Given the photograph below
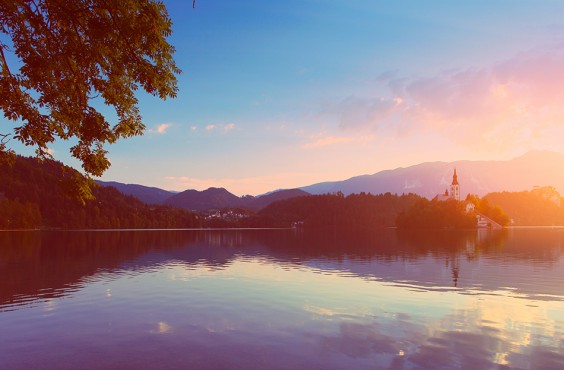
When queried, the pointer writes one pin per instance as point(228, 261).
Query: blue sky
point(280, 94)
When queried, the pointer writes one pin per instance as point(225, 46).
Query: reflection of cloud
point(500, 331)
point(516, 101)
point(320, 311)
point(220, 326)
point(357, 340)
point(163, 328)
point(50, 304)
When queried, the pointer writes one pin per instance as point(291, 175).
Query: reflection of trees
point(452, 245)
point(386, 245)
point(39, 264)
point(468, 242)
point(44, 264)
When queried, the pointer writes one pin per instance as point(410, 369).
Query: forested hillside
point(541, 206)
point(436, 214)
point(356, 211)
point(37, 193)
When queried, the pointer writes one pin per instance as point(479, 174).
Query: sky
point(282, 94)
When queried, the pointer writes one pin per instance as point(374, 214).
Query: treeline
point(436, 214)
point(362, 212)
point(36, 193)
point(355, 211)
point(17, 215)
point(367, 211)
point(494, 212)
point(542, 206)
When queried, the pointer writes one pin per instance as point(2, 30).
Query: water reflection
point(50, 264)
point(282, 299)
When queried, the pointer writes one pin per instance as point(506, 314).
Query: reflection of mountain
point(36, 265)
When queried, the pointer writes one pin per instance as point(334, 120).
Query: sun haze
point(285, 94)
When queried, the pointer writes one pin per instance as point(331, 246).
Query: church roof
point(454, 178)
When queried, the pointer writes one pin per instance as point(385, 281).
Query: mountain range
point(535, 168)
point(212, 198)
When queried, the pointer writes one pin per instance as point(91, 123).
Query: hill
point(536, 168)
point(336, 211)
point(263, 201)
point(212, 198)
point(218, 198)
point(146, 194)
point(541, 206)
point(36, 193)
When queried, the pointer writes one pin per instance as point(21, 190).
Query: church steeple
point(455, 187)
point(454, 178)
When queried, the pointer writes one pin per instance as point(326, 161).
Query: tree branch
point(5, 68)
point(4, 138)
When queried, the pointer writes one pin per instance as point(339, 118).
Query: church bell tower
point(455, 187)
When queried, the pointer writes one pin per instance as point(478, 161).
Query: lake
point(282, 299)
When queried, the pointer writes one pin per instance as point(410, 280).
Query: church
point(453, 192)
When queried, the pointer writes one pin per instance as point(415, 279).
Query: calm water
point(282, 299)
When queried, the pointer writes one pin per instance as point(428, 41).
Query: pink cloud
point(229, 127)
point(514, 102)
point(223, 127)
point(163, 127)
point(332, 140)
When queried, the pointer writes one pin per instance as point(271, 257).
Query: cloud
point(332, 140)
point(518, 101)
point(161, 129)
point(356, 111)
point(229, 127)
point(220, 127)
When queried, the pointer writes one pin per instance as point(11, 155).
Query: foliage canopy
point(31, 196)
point(436, 214)
point(73, 55)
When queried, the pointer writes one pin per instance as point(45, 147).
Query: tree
point(436, 214)
point(74, 55)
